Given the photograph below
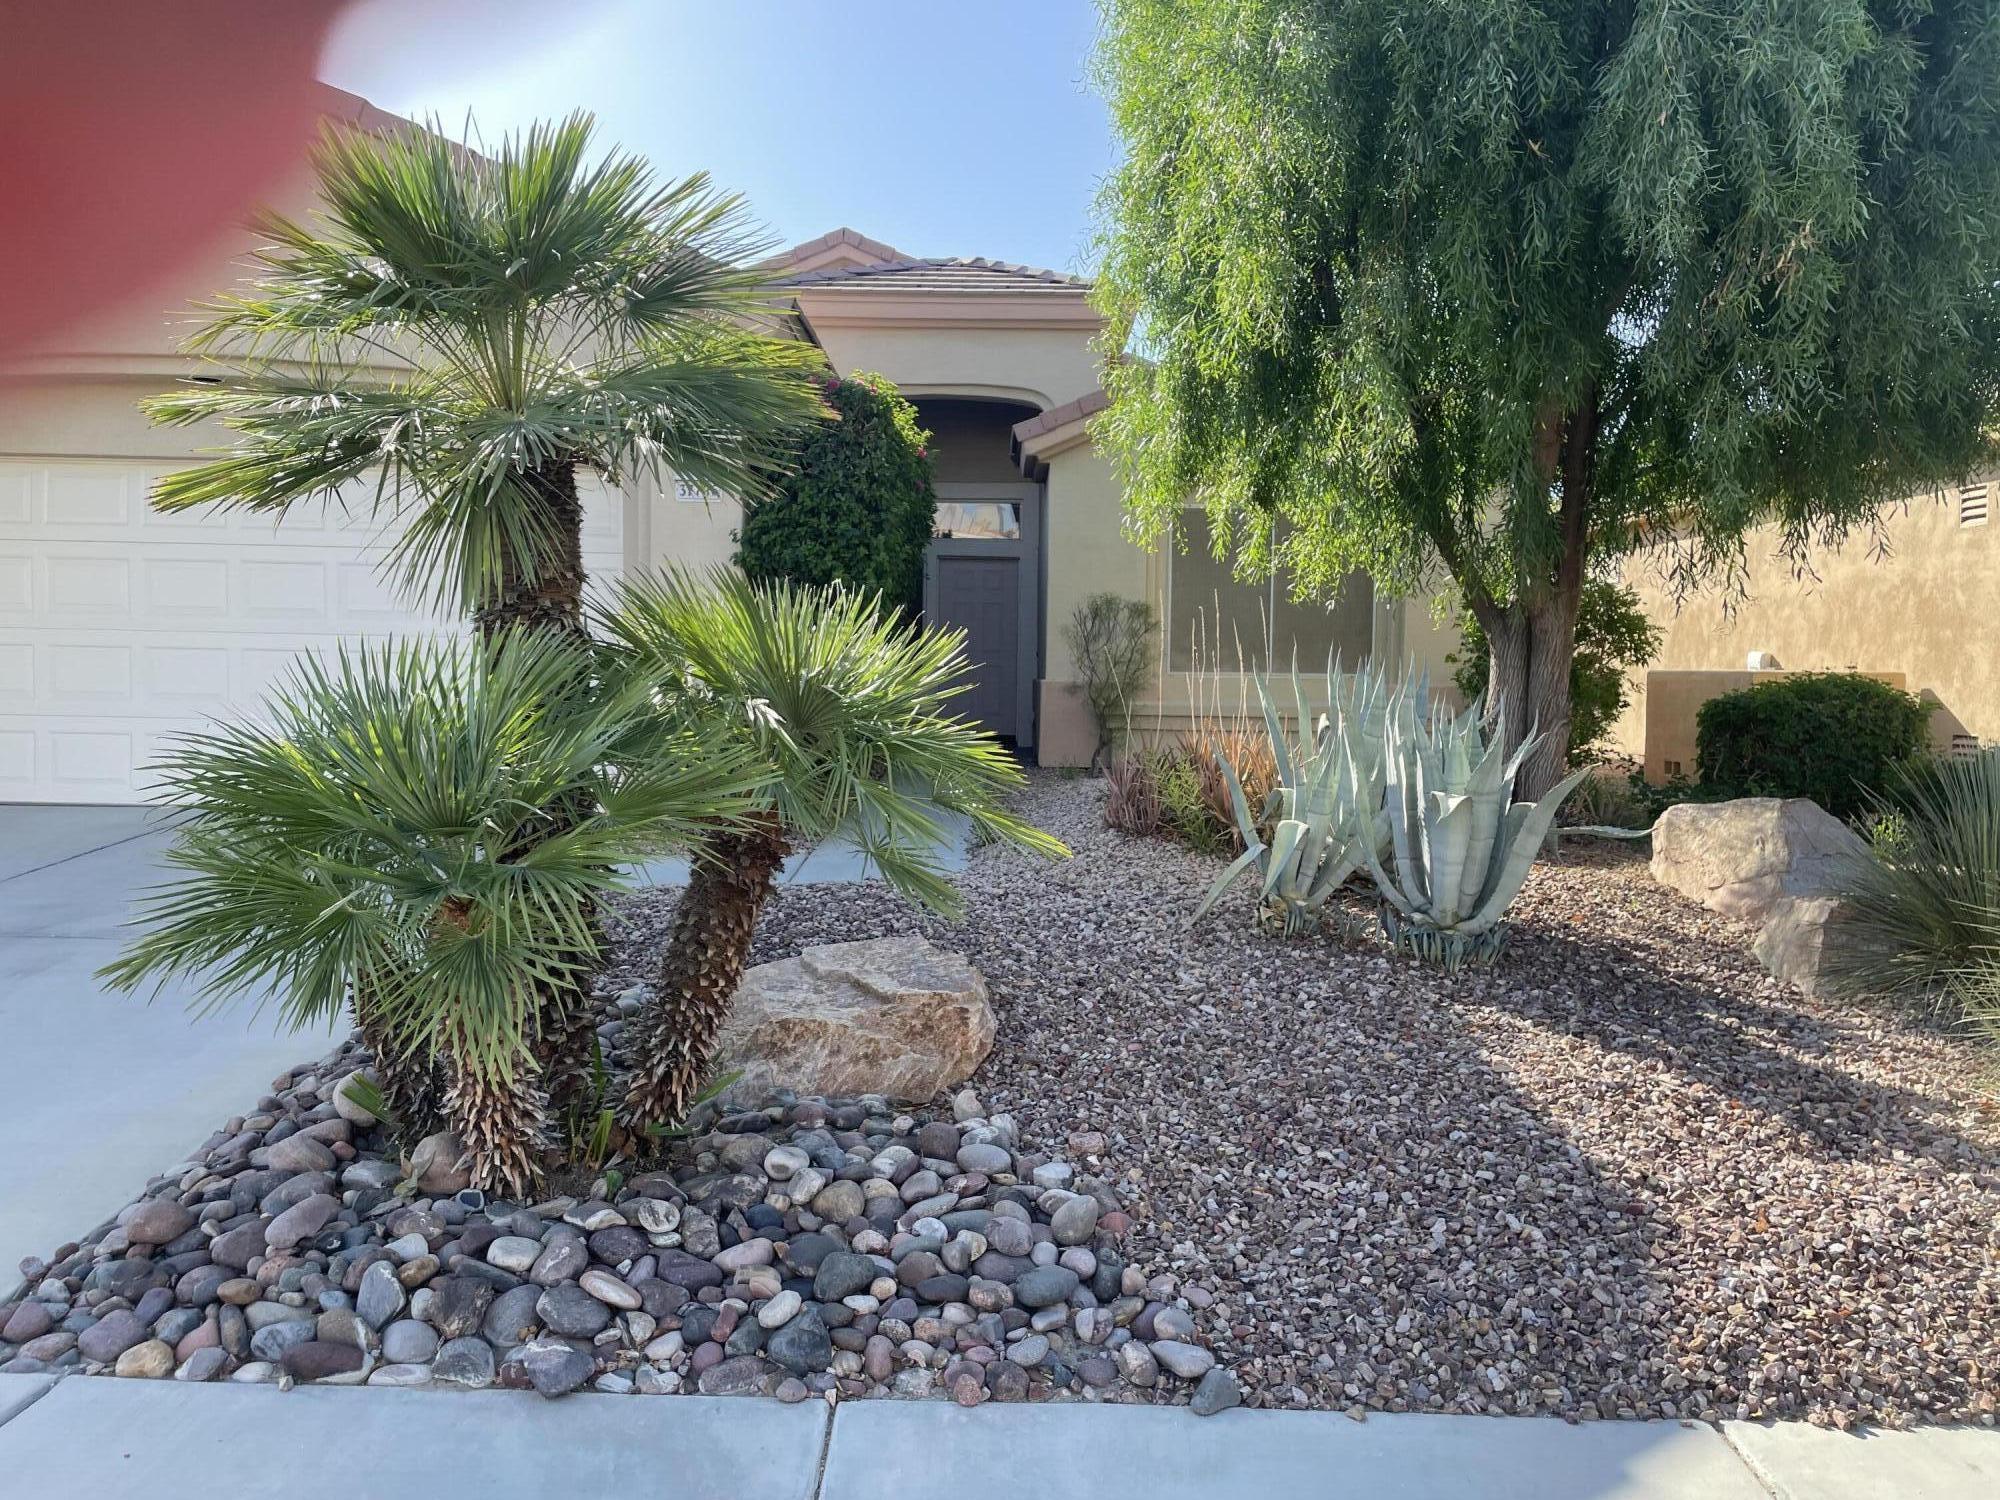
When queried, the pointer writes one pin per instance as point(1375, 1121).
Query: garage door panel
point(121, 628)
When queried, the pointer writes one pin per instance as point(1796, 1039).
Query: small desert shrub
point(1610, 797)
point(1825, 735)
point(1184, 807)
point(1924, 907)
point(1113, 641)
point(1133, 801)
point(1246, 750)
point(1182, 794)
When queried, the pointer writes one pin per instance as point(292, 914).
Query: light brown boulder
point(1748, 857)
point(1793, 944)
point(439, 1164)
point(891, 1016)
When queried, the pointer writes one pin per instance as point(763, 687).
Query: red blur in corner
point(132, 133)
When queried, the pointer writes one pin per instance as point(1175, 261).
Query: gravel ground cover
point(1624, 1173)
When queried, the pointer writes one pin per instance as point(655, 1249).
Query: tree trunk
point(501, 1122)
point(704, 959)
point(549, 597)
point(1551, 647)
point(1529, 651)
point(1506, 708)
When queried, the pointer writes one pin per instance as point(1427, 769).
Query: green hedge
point(1830, 736)
point(858, 506)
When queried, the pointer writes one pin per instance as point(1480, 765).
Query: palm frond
point(453, 321)
point(388, 830)
point(847, 708)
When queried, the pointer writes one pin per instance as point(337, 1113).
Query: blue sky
point(945, 127)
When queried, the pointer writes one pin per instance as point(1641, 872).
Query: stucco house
point(120, 627)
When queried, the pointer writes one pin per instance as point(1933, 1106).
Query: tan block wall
point(1927, 613)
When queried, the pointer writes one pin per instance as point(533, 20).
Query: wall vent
point(1972, 505)
point(1965, 744)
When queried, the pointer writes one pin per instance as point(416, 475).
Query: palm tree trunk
point(411, 1087)
point(502, 1121)
point(549, 596)
point(704, 959)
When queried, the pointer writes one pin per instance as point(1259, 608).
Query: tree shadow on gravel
point(1768, 1056)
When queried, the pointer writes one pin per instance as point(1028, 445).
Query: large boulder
point(1749, 857)
point(891, 1016)
point(1793, 944)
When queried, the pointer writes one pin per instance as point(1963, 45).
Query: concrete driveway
point(98, 1090)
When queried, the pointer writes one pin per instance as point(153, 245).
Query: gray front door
point(982, 575)
point(982, 597)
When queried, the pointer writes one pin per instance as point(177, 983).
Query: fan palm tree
point(384, 842)
point(845, 710)
point(464, 332)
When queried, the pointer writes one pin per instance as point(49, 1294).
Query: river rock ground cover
point(805, 1247)
point(1623, 1173)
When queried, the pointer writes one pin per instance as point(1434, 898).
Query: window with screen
point(1210, 613)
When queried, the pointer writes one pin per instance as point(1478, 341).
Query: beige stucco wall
point(1928, 611)
point(1042, 366)
point(92, 416)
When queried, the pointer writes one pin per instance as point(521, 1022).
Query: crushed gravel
point(1622, 1174)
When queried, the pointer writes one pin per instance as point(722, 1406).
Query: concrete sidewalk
point(89, 1437)
point(102, 1089)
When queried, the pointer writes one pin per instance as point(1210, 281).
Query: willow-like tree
point(1506, 286)
point(455, 339)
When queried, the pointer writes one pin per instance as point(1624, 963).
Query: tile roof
point(958, 273)
point(1086, 405)
point(841, 238)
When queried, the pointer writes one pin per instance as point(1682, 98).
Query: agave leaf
point(1238, 804)
point(1386, 888)
point(1489, 806)
point(1284, 852)
point(1305, 713)
point(1287, 776)
point(1223, 881)
point(1449, 818)
point(1524, 839)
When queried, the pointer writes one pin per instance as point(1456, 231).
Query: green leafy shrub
point(1825, 735)
point(1112, 639)
point(857, 507)
point(1612, 636)
point(1923, 918)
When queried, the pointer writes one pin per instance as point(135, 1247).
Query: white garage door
point(120, 626)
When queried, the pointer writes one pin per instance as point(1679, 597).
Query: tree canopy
point(1504, 285)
